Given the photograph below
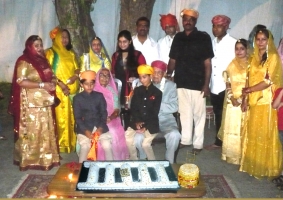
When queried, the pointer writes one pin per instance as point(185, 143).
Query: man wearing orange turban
point(224, 52)
point(145, 106)
point(190, 57)
point(170, 25)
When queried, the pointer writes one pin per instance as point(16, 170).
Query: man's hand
point(140, 127)
point(205, 90)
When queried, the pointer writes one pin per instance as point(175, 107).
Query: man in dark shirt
point(91, 116)
point(190, 57)
point(145, 105)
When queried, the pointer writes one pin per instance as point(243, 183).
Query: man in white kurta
point(224, 52)
point(169, 105)
point(143, 43)
point(170, 26)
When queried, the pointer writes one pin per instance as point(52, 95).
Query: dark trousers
point(217, 103)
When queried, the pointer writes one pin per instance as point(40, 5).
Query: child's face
point(88, 86)
point(145, 79)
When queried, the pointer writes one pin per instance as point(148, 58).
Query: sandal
point(278, 180)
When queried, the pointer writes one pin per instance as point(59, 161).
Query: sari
point(96, 62)
point(35, 135)
point(230, 130)
point(119, 147)
point(64, 64)
point(262, 152)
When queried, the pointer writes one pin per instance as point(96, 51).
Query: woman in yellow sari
point(230, 131)
point(262, 152)
point(65, 67)
point(97, 58)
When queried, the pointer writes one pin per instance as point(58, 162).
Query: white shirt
point(164, 46)
point(148, 48)
point(224, 53)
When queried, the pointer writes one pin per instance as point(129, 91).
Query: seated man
point(91, 116)
point(145, 106)
point(169, 105)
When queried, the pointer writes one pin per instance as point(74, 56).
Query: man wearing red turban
point(170, 25)
point(224, 52)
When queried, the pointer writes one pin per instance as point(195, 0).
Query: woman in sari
point(65, 67)
point(262, 152)
point(125, 62)
point(31, 104)
point(235, 78)
point(106, 85)
point(97, 59)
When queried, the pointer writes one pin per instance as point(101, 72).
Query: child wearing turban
point(91, 116)
point(145, 105)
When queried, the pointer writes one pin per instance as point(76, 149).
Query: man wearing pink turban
point(170, 26)
point(224, 52)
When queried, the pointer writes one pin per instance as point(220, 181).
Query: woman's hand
point(65, 89)
point(49, 86)
point(234, 101)
point(71, 80)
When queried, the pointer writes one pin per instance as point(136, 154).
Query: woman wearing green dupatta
point(65, 67)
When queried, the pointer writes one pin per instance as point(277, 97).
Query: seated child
point(91, 116)
point(145, 105)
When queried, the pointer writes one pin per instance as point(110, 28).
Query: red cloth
point(159, 64)
point(280, 111)
point(221, 20)
point(43, 68)
point(168, 20)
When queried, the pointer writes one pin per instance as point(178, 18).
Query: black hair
point(69, 46)
point(96, 38)
point(84, 80)
point(243, 41)
point(266, 33)
point(132, 61)
point(143, 19)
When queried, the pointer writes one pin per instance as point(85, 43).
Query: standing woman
point(65, 67)
point(31, 104)
point(125, 62)
point(262, 152)
point(230, 130)
point(106, 85)
point(97, 59)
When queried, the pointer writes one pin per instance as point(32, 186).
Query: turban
point(168, 20)
point(190, 12)
point(54, 32)
point(160, 65)
point(221, 20)
point(88, 75)
point(145, 69)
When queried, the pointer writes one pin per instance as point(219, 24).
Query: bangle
point(41, 85)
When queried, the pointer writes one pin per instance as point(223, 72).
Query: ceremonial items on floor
point(188, 176)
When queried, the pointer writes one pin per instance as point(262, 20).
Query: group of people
point(52, 115)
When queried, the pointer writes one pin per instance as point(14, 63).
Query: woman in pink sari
point(106, 85)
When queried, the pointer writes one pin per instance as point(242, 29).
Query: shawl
point(40, 63)
point(272, 67)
